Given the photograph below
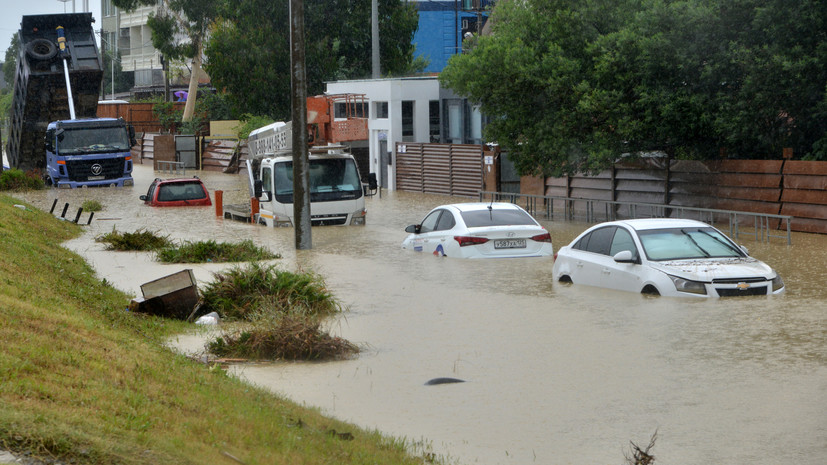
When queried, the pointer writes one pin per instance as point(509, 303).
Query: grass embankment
point(83, 381)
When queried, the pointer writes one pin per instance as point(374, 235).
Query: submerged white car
point(670, 257)
point(479, 230)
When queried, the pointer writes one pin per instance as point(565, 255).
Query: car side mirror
point(745, 250)
point(624, 256)
point(412, 229)
point(143, 197)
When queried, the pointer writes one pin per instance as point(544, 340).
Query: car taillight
point(541, 238)
point(470, 240)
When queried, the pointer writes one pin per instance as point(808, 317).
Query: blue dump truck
point(54, 129)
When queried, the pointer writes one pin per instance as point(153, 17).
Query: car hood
point(712, 268)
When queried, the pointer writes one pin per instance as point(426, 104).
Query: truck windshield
point(92, 140)
point(330, 179)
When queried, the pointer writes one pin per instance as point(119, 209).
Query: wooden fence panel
point(449, 169)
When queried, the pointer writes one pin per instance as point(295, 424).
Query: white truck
point(337, 196)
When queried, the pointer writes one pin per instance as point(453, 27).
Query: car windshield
point(330, 179)
point(93, 140)
point(496, 217)
point(687, 243)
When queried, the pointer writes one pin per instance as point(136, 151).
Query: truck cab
point(336, 193)
point(89, 152)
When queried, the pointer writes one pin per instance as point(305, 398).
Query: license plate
point(509, 244)
point(94, 178)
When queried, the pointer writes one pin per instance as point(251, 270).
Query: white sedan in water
point(671, 257)
point(479, 230)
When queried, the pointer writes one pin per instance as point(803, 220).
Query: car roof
point(179, 180)
point(472, 206)
point(641, 224)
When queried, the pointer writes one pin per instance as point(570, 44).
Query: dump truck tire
point(41, 49)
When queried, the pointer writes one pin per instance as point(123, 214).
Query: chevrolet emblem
point(743, 286)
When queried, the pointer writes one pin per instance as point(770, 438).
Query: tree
point(249, 55)
point(571, 86)
point(175, 19)
point(123, 81)
point(533, 78)
point(10, 63)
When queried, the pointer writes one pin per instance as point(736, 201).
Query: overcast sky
point(14, 10)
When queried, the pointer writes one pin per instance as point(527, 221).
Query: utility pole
point(301, 164)
point(374, 38)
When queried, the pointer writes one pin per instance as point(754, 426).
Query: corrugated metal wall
point(450, 169)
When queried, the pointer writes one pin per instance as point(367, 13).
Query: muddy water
point(554, 374)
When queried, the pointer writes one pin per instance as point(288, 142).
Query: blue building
point(443, 24)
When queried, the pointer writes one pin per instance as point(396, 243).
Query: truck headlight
point(686, 285)
point(359, 218)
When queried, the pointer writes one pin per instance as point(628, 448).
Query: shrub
point(211, 251)
point(91, 206)
point(245, 293)
point(140, 240)
point(287, 336)
point(16, 180)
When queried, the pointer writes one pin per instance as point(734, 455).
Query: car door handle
point(579, 264)
point(607, 271)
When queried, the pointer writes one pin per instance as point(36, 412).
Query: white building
point(130, 35)
point(401, 110)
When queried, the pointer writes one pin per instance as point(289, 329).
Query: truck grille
point(328, 220)
point(86, 170)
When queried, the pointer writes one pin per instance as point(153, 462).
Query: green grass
point(84, 381)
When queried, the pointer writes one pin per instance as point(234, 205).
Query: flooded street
point(555, 374)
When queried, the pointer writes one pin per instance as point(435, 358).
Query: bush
point(16, 180)
point(140, 240)
point(211, 251)
point(247, 293)
point(287, 337)
point(91, 206)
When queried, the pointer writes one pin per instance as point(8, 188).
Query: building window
point(381, 109)
point(350, 109)
point(408, 121)
point(107, 8)
point(433, 119)
point(454, 123)
point(475, 135)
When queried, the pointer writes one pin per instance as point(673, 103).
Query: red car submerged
point(181, 192)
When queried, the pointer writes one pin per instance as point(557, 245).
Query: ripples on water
point(555, 373)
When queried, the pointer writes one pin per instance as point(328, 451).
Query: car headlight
point(777, 282)
point(686, 285)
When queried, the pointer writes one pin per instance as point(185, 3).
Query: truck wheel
point(41, 49)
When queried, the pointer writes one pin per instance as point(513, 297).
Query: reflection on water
point(555, 373)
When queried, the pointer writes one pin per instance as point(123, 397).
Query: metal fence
point(594, 211)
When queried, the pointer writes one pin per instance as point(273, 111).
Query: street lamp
point(64, 5)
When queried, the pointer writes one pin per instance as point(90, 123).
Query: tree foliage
point(249, 48)
point(10, 63)
point(176, 19)
point(571, 85)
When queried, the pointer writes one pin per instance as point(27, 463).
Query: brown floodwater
point(553, 373)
